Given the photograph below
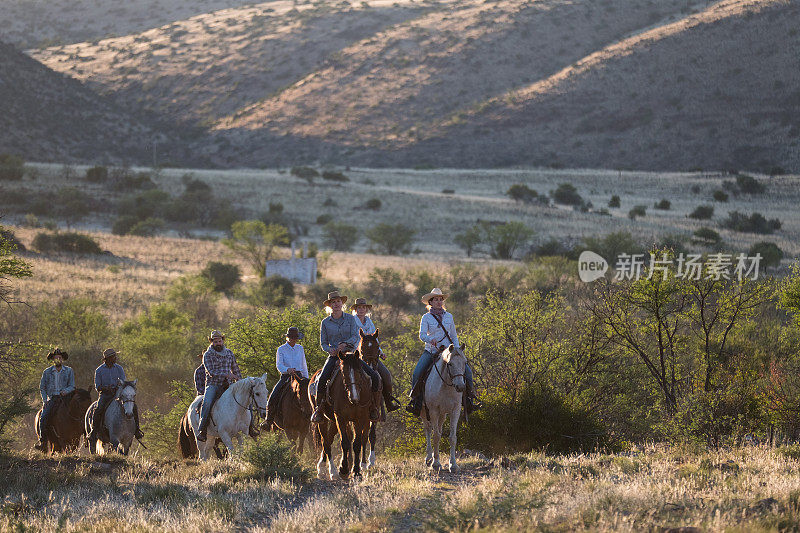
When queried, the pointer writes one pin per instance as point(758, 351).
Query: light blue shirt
point(107, 377)
point(368, 327)
point(433, 335)
point(287, 357)
point(332, 331)
point(54, 382)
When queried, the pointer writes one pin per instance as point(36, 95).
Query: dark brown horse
point(294, 411)
point(351, 396)
point(65, 426)
point(187, 444)
point(370, 348)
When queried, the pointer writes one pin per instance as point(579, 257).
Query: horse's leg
point(330, 435)
point(227, 441)
point(437, 421)
point(428, 451)
point(346, 440)
point(239, 442)
point(372, 439)
point(454, 416)
point(358, 445)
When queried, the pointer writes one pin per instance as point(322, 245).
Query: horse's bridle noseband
point(449, 373)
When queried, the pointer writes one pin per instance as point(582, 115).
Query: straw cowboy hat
point(362, 301)
point(216, 334)
point(110, 352)
point(294, 333)
point(435, 292)
point(332, 296)
point(57, 351)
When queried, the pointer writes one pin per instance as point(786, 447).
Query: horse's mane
point(81, 393)
point(123, 386)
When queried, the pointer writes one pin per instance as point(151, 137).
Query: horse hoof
point(428, 461)
point(436, 466)
point(323, 476)
point(364, 466)
point(453, 468)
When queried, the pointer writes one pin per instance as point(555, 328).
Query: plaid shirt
point(219, 365)
point(200, 379)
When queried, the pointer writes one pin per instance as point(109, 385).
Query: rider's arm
point(304, 368)
point(237, 373)
point(43, 386)
point(324, 343)
point(423, 331)
point(70, 381)
point(212, 366)
point(280, 362)
point(352, 340)
point(450, 323)
point(97, 379)
point(122, 371)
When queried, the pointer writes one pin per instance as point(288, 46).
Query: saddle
point(102, 431)
point(419, 388)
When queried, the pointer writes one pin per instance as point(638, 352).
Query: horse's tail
point(186, 443)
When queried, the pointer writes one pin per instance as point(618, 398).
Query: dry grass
point(747, 489)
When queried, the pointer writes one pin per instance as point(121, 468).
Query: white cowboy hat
point(435, 292)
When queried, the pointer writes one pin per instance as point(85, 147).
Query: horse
point(370, 347)
point(187, 445)
point(65, 428)
point(351, 395)
point(294, 411)
point(443, 395)
point(118, 420)
point(231, 414)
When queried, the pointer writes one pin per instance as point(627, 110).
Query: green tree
point(255, 242)
point(340, 236)
point(11, 267)
point(391, 239)
point(469, 240)
point(771, 254)
point(504, 240)
point(522, 193)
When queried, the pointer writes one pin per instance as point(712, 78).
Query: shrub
point(552, 247)
point(664, 205)
point(66, 242)
point(124, 180)
point(522, 193)
point(8, 236)
point(614, 202)
point(224, 276)
point(306, 173)
point(720, 195)
point(771, 254)
point(97, 174)
point(373, 203)
point(340, 236)
point(706, 237)
point(275, 208)
point(448, 191)
point(637, 211)
point(755, 223)
point(749, 185)
point(274, 291)
point(702, 212)
point(272, 455)
point(123, 224)
point(147, 227)
point(334, 176)
point(329, 202)
point(192, 185)
point(611, 246)
point(12, 168)
point(391, 239)
point(324, 218)
point(146, 204)
point(567, 194)
point(469, 239)
point(255, 242)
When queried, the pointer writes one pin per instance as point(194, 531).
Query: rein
point(449, 373)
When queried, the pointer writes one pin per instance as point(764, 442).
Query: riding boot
point(415, 406)
point(471, 402)
point(316, 418)
point(375, 408)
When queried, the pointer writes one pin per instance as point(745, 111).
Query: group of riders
point(339, 334)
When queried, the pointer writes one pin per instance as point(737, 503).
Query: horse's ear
point(119, 381)
point(264, 377)
point(450, 348)
point(463, 346)
point(377, 330)
point(134, 381)
point(361, 333)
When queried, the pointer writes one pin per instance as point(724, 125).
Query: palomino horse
point(370, 349)
point(65, 427)
point(231, 414)
point(294, 411)
point(118, 420)
point(351, 395)
point(443, 391)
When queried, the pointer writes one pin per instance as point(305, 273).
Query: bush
point(334, 176)
point(567, 194)
point(611, 246)
point(340, 236)
point(637, 211)
point(272, 455)
point(97, 174)
point(614, 202)
point(706, 237)
point(373, 203)
point(66, 242)
point(749, 185)
point(8, 236)
point(192, 185)
point(224, 276)
point(664, 205)
point(274, 291)
point(771, 254)
point(522, 193)
point(720, 196)
point(147, 227)
point(702, 212)
point(146, 204)
point(391, 239)
point(306, 173)
point(275, 208)
point(12, 168)
point(122, 179)
point(324, 218)
point(123, 224)
point(755, 223)
point(448, 191)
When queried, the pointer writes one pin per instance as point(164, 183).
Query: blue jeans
point(47, 410)
point(330, 365)
point(276, 394)
point(426, 360)
point(211, 394)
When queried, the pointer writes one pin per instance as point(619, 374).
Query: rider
point(57, 381)
point(338, 333)
point(221, 371)
point(290, 358)
point(361, 310)
point(105, 381)
point(200, 377)
point(437, 330)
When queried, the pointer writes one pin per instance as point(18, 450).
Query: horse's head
point(299, 386)
point(353, 375)
point(126, 396)
point(455, 364)
point(260, 393)
point(369, 346)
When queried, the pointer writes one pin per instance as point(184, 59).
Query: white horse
point(118, 419)
point(230, 415)
point(443, 391)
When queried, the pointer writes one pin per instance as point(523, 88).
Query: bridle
point(252, 401)
point(450, 374)
point(345, 374)
point(123, 402)
point(372, 358)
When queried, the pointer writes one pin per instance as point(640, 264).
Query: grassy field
point(647, 489)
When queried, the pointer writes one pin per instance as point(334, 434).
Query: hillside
point(613, 84)
point(50, 117)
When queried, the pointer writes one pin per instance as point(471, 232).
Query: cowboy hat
point(110, 352)
point(294, 333)
point(361, 301)
point(435, 292)
point(57, 351)
point(216, 334)
point(332, 296)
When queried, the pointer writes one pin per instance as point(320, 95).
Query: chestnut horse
point(351, 395)
point(187, 444)
point(370, 348)
point(294, 411)
point(65, 427)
